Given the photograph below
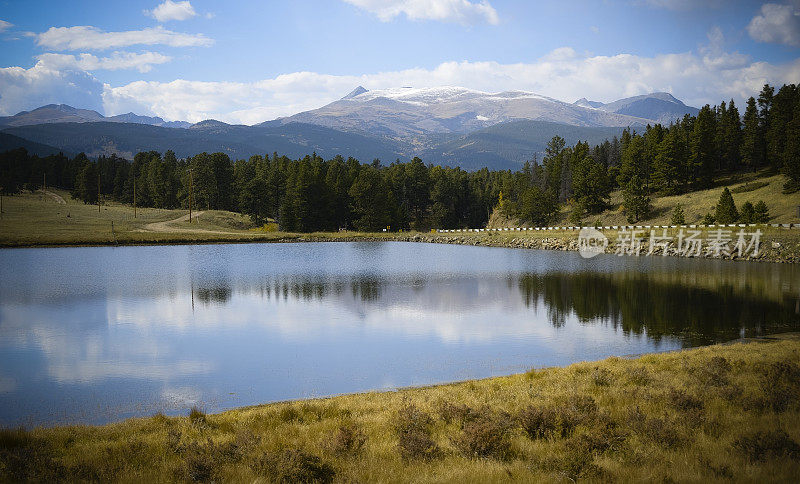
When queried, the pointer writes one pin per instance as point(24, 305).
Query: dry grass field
point(718, 413)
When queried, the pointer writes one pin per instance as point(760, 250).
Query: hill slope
point(10, 142)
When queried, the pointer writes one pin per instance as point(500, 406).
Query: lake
point(98, 334)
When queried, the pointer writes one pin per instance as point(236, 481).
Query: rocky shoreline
point(774, 247)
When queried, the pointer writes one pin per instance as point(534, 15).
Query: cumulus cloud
point(5, 25)
point(708, 77)
point(776, 23)
point(85, 37)
point(459, 11)
point(116, 61)
point(24, 89)
point(170, 10)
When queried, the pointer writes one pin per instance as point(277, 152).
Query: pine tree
point(731, 138)
point(666, 166)
point(702, 155)
point(751, 149)
point(791, 155)
point(761, 213)
point(747, 214)
point(370, 199)
point(725, 212)
point(635, 200)
point(780, 115)
point(677, 215)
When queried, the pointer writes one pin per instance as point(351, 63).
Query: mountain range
point(62, 113)
point(447, 125)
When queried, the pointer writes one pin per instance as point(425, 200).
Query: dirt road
point(165, 226)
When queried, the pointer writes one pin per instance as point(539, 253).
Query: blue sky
point(248, 61)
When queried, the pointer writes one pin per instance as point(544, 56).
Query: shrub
point(761, 445)
point(659, 430)
point(602, 377)
point(197, 417)
point(780, 384)
point(348, 439)
point(451, 412)
point(198, 465)
point(201, 461)
point(638, 375)
point(708, 219)
point(749, 187)
point(24, 458)
point(713, 372)
point(485, 436)
point(413, 428)
point(537, 422)
point(557, 420)
point(294, 465)
point(289, 414)
point(684, 402)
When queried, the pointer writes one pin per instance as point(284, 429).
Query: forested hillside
point(312, 193)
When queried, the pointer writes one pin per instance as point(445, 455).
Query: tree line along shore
point(571, 184)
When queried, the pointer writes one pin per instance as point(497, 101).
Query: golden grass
point(708, 414)
point(782, 208)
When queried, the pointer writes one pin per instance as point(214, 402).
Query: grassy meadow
point(750, 187)
point(40, 219)
point(718, 413)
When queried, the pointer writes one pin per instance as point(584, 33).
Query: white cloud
point(707, 76)
point(117, 60)
point(5, 25)
point(697, 79)
point(170, 10)
point(459, 11)
point(776, 23)
point(24, 89)
point(86, 37)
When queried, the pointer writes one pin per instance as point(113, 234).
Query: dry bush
point(455, 413)
point(197, 417)
point(557, 420)
point(347, 440)
point(638, 375)
point(289, 414)
point(761, 445)
point(485, 435)
point(25, 458)
point(413, 428)
point(780, 386)
point(602, 377)
point(713, 372)
point(293, 466)
point(684, 402)
point(658, 429)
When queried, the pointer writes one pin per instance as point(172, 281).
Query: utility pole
point(44, 182)
point(134, 196)
point(191, 188)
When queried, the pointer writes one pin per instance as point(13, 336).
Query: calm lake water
point(97, 334)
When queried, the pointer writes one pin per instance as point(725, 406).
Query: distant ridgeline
point(311, 193)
